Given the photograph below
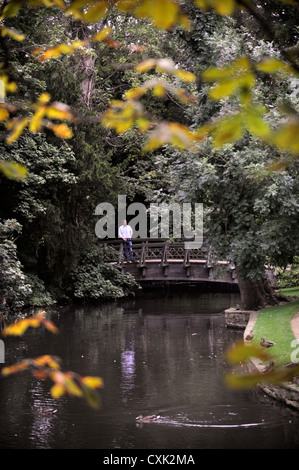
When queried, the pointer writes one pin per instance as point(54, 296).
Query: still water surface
point(157, 355)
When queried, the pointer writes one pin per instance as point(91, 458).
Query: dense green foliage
point(14, 288)
point(94, 279)
point(289, 276)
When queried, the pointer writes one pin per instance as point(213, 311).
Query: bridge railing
point(148, 249)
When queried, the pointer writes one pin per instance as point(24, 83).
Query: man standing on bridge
point(125, 232)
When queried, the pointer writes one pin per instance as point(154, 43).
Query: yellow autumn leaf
point(125, 5)
point(122, 115)
point(241, 352)
point(224, 7)
point(171, 133)
point(228, 130)
point(35, 123)
point(134, 93)
point(272, 65)
point(181, 136)
point(237, 68)
point(70, 385)
point(146, 65)
point(95, 12)
point(49, 54)
point(11, 87)
point(8, 86)
point(183, 96)
point(11, 9)
point(102, 34)
point(15, 368)
point(236, 77)
point(57, 390)
point(13, 33)
point(17, 128)
point(13, 170)
point(204, 4)
point(159, 90)
point(223, 89)
point(44, 98)
point(62, 130)
point(74, 45)
point(287, 136)
point(33, 322)
point(16, 329)
point(164, 13)
point(92, 382)
point(214, 74)
point(241, 381)
point(186, 76)
point(60, 3)
point(4, 114)
point(59, 111)
point(204, 131)
point(255, 124)
point(143, 124)
point(50, 326)
point(47, 361)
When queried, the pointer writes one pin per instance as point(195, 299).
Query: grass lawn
point(290, 291)
point(274, 324)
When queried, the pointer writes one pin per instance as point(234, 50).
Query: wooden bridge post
point(143, 252)
point(187, 261)
point(164, 262)
point(121, 253)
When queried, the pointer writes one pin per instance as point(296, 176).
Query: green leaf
point(224, 89)
point(257, 125)
point(271, 65)
point(228, 130)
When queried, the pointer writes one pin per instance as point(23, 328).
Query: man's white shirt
point(125, 231)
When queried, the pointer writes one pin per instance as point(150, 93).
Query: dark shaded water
point(157, 355)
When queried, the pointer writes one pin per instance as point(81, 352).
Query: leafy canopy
point(235, 80)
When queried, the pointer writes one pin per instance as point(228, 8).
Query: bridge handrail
point(145, 246)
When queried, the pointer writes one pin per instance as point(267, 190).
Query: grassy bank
point(290, 291)
point(274, 324)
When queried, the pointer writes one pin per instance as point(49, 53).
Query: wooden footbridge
point(160, 260)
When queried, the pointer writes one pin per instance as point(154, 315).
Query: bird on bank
point(147, 419)
point(266, 344)
point(249, 337)
point(292, 364)
point(269, 368)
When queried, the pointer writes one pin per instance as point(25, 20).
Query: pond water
point(157, 354)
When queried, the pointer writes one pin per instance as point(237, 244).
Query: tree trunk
point(257, 295)
point(87, 60)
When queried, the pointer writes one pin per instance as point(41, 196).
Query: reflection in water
point(128, 368)
point(156, 355)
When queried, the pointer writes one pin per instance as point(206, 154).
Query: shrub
point(289, 277)
point(93, 279)
point(39, 296)
point(14, 288)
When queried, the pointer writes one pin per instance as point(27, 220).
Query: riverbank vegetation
point(274, 324)
point(113, 97)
